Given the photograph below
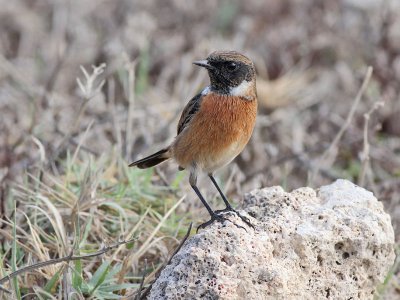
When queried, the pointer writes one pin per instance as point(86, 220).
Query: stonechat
point(215, 125)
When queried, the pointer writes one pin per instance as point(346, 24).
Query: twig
point(113, 111)
point(73, 142)
point(131, 102)
point(54, 261)
point(82, 139)
point(137, 297)
point(330, 154)
point(4, 290)
point(147, 290)
point(365, 154)
point(89, 91)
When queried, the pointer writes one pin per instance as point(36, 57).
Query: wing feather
point(189, 111)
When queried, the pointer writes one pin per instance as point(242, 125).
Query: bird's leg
point(228, 205)
point(214, 216)
point(210, 211)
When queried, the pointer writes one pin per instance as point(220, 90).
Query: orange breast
point(217, 133)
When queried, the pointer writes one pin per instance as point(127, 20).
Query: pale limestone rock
point(334, 243)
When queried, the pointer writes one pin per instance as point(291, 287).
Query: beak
point(203, 63)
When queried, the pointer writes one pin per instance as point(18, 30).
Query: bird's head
point(230, 73)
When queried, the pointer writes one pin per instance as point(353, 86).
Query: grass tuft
point(78, 212)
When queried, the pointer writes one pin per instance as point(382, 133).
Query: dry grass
point(64, 182)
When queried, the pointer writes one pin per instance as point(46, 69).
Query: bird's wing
point(189, 111)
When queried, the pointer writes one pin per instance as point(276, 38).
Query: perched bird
point(215, 125)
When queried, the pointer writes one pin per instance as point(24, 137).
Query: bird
point(214, 126)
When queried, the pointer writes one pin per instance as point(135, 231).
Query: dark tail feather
point(151, 160)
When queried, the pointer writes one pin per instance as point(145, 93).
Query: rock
point(333, 243)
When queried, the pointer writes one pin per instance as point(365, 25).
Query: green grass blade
point(99, 276)
point(86, 232)
point(51, 284)
point(77, 275)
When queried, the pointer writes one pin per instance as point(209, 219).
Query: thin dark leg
point(210, 211)
point(214, 216)
point(228, 205)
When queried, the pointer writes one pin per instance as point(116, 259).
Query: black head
point(228, 70)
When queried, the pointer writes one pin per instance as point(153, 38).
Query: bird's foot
point(231, 209)
point(217, 217)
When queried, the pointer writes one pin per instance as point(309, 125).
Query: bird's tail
point(152, 160)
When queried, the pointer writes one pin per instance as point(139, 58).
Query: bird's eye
point(232, 67)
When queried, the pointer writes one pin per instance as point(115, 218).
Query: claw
point(218, 218)
point(231, 209)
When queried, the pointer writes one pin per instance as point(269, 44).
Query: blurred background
point(70, 141)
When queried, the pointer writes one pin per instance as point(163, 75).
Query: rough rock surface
point(333, 243)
